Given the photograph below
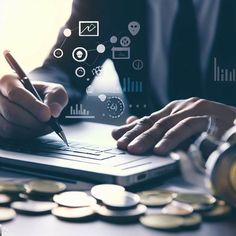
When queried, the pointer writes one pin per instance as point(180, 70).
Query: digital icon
point(67, 32)
point(115, 107)
point(134, 27)
point(97, 71)
point(88, 28)
point(58, 53)
point(102, 97)
point(132, 86)
point(80, 72)
point(137, 64)
point(101, 48)
point(78, 112)
point(80, 54)
point(113, 39)
point(125, 41)
point(120, 53)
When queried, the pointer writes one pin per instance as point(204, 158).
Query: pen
point(53, 123)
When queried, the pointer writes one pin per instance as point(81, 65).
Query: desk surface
point(49, 225)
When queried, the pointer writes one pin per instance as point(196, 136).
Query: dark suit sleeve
point(62, 70)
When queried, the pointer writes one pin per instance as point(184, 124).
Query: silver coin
point(73, 214)
point(7, 214)
point(178, 209)
point(74, 199)
point(106, 190)
point(33, 207)
point(122, 200)
point(120, 216)
point(5, 199)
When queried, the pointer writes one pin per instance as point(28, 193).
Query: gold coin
point(218, 212)
point(6, 214)
point(44, 187)
point(161, 221)
point(74, 199)
point(192, 220)
point(195, 198)
point(11, 188)
point(178, 209)
point(155, 198)
point(232, 176)
point(73, 214)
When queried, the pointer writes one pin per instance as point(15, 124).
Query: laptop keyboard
point(53, 148)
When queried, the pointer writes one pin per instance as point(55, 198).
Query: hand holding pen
point(23, 114)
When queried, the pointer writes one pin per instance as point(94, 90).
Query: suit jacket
point(114, 17)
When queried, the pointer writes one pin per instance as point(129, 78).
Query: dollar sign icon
point(134, 27)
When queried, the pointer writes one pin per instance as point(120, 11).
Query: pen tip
point(5, 52)
point(63, 137)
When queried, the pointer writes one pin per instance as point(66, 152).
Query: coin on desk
point(44, 187)
point(106, 190)
point(219, 211)
point(120, 216)
point(193, 220)
point(33, 207)
point(6, 214)
point(195, 198)
point(73, 214)
point(11, 188)
point(5, 199)
point(201, 207)
point(155, 198)
point(74, 199)
point(178, 209)
point(122, 200)
point(162, 221)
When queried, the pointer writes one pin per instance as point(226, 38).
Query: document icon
point(88, 28)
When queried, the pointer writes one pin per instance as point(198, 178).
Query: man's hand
point(21, 114)
point(164, 130)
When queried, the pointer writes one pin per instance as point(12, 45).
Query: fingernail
point(162, 147)
point(55, 109)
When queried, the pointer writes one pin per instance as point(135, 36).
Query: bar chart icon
point(78, 112)
point(132, 86)
point(223, 75)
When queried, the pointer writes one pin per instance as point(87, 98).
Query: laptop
point(99, 163)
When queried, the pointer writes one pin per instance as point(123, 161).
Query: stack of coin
point(117, 205)
point(170, 222)
point(171, 210)
point(74, 206)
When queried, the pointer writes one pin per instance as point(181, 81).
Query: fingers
point(17, 115)
point(12, 89)
point(180, 132)
point(9, 130)
point(126, 133)
point(55, 96)
point(131, 119)
point(140, 126)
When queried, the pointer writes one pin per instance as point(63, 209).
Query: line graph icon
point(88, 28)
